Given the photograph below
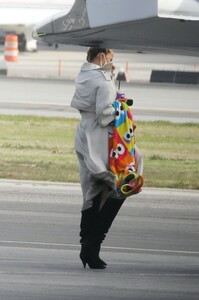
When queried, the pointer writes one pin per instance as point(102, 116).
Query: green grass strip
point(38, 148)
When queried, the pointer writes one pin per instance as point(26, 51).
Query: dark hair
point(93, 52)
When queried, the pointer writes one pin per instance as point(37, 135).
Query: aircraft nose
point(34, 33)
point(43, 28)
point(38, 32)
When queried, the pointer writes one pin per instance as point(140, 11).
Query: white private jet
point(153, 25)
point(20, 16)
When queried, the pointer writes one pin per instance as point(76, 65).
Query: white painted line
point(153, 250)
point(168, 251)
point(133, 274)
point(38, 244)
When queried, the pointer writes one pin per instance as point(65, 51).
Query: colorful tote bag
point(122, 152)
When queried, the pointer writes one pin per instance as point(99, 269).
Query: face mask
point(107, 66)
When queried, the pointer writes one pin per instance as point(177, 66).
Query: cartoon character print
point(121, 142)
point(120, 113)
point(121, 160)
point(117, 150)
point(122, 151)
point(131, 168)
point(126, 132)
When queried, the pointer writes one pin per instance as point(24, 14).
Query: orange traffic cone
point(11, 48)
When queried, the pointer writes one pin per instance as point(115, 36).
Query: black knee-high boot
point(108, 213)
point(104, 221)
point(88, 253)
point(94, 226)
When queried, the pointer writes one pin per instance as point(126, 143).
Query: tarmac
point(65, 63)
point(152, 249)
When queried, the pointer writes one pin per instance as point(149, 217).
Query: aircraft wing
point(152, 25)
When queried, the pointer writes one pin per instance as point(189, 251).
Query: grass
point(37, 148)
point(170, 152)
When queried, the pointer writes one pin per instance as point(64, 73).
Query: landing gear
point(22, 42)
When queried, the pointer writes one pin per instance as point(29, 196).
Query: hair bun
point(94, 51)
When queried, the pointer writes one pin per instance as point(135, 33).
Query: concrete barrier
point(187, 77)
point(174, 77)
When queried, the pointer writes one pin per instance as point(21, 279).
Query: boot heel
point(83, 259)
point(84, 262)
point(92, 262)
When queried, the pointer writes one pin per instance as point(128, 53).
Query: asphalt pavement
point(65, 63)
point(152, 249)
point(42, 84)
point(52, 97)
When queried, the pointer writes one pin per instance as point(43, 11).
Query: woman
point(94, 95)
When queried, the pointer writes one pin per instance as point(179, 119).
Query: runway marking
point(103, 247)
point(153, 250)
point(13, 273)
